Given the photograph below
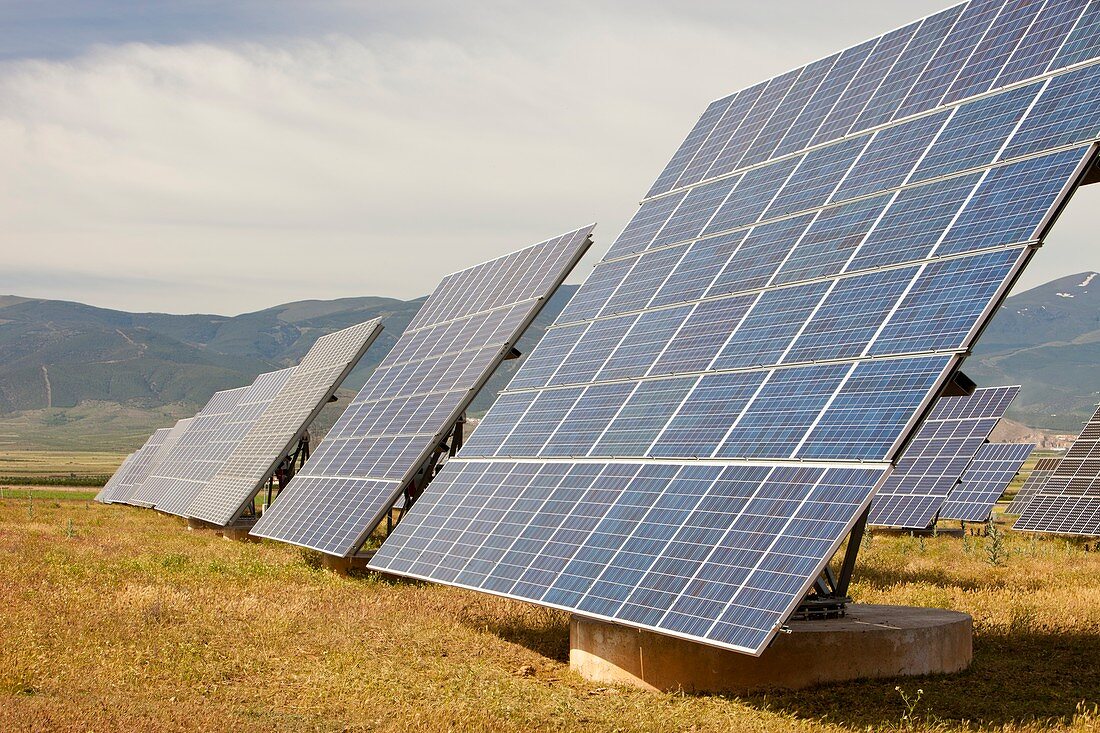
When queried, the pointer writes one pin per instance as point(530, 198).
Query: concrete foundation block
point(238, 533)
point(870, 642)
point(195, 524)
point(344, 565)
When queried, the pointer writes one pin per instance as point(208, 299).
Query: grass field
point(36, 469)
point(116, 618)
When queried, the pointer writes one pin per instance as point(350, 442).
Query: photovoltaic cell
point(463, 331)
point(275, 431)
point(931, 466)
point(984, 480)
point(1069, 501)
point(114, 481)
point(1044, 467)
point(200, 451)
point(849, 263)
point(135, 470)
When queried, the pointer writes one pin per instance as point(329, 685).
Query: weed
point(910, 703)
point(995, 548)
point(69, 531)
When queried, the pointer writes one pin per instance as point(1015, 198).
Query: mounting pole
point(829, 597)
point(855, 539)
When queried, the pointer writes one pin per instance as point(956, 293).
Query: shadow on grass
point(544, 631)
point(880, 578)
point(1013, 679)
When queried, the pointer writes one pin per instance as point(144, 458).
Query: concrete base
point(238, 532)
point(344, 565)
point(871, 641)
point(194, 524)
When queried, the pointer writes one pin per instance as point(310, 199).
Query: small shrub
point(995, 548)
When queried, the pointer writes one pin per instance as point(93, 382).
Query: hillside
point(1046, 339)
point(72, 373)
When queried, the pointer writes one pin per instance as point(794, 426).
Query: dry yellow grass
point(122, 620)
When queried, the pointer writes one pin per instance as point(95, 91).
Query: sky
point(224, 157)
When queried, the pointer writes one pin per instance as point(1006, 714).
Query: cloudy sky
point(228, 156)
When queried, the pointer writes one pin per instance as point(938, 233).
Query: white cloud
point(232, 175)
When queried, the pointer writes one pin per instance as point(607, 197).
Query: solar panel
point(1069, 501)
point(276, 430)
point(136, 469)
point(453, 345)
point(192, 460)
point(939, 453)
point(985, 479)
point(114, 480)
point(685, 454)
point(1044, 467)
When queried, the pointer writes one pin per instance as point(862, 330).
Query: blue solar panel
point(932, 464)
point(274, 433)
point(1042, 470)
point(834, 241)
point(1069, 501)
point(134, 470)
point(418, 392)
point(984, 480)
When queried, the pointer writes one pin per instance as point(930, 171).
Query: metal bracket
point(829, 597)
point(429, 470)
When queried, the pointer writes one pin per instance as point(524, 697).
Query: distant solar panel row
point(939, 453)
point(116, 478)
point(143, 461)
point(1069, 501)
point(460, 335)
point(197, 455)
point(1044, 467)
point(795, 290)
point(275, 431)
point(985, 479)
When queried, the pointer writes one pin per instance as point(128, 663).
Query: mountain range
point(71, 373)
point(75, 376)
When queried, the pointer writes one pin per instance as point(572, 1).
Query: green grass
point(46, 495)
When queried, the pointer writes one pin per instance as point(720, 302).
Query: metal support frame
point(278, 481)
point(445, 449)
point(829, 598)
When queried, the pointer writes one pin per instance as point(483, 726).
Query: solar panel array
point(1044, 467)
point(1069, 501)
point(191, 462)
point(114, 480)
point(985, 479)
point(713, 411)
point(134, 471)
point(934, 461)
point(275, 431)
point(443, 358)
